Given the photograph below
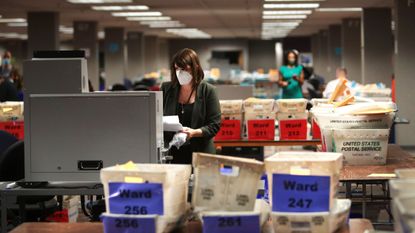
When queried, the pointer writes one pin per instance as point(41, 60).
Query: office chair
point(6, 140)
point(12, 169)
point(12, 162)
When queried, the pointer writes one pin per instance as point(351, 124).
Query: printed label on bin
point(229, 130)
point(293, 129)
point(136, 199)
point(298, 193)
point(261, 129)
point(231, 224)
point(15, 128)
point(129, 225)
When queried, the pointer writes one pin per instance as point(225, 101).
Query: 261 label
point(231, 224)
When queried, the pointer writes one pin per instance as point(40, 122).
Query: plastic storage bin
point(305, 164)
point(174, 180)
point(231, 109)
point(323, 222)
point(362, 146)
point(11, 111)
point(404, 208)
point(291, 105)
point(402, 187)
point(407, 173)
point(336, 121)
point(259, 105)
point(224, 183)
point(290, 116)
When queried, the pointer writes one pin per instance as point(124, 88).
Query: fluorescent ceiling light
point(22, 24)
point(119, 8)
point(189, 32)
point(99, 1)
point(12, 20)
point(101, 35)
point(284, 17)
point(159, 22)
point(292, 6)
point(166, 26)
point(339, 9)
point(162, 24)
point(284, 21)
point(66, 30)
point(160, 18)
point(13, 36)
point(136, 14)
point(280, 24)
point(300, 12)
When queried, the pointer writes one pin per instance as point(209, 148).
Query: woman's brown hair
point(187, 58)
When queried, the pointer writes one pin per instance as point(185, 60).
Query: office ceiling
point(219, 18)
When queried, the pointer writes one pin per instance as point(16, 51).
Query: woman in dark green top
point(291, 77)
point(195, 102)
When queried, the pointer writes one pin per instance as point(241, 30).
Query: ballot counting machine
point(71, 134)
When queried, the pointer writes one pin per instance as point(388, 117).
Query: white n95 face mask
point(184, 77)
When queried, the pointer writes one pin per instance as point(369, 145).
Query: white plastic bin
point(362, 146)
point(305, 164)
point(174, 180)
point(318, 101)
point(292, 105)
point(290, 116)
point(11, 111)
point(336, 121)
point(224, 183)
point(231, 109)
point(400, 188)
point(322, 222)
point(259, 105)
point(405, 214)
point(406, 173)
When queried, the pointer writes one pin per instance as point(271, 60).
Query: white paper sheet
point(172, 124)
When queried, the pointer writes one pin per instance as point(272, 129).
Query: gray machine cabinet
point(67, 136)
point(55, 76)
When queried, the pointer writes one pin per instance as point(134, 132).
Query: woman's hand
point(192, 133)
point(283, 83)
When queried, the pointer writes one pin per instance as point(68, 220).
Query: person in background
point(291, 76)
point(17, 80)
point(331, 86)
point(195, 102)
point(6, 65)
point(8, 91)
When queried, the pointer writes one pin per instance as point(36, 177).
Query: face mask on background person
point(291, 61)
point(184, 77)
point(6, 61)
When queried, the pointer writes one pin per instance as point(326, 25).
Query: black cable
point(84, 208)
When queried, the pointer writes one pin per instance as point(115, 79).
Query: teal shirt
point(293, 90)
